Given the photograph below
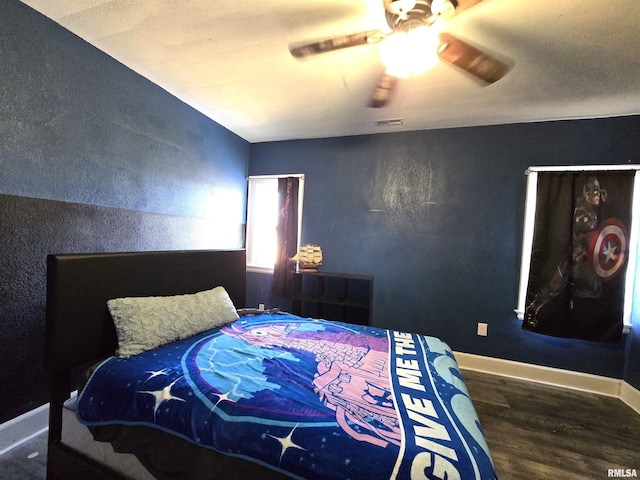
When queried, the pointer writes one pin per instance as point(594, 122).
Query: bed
point(258, 395)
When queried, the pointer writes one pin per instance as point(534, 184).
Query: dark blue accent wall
point(632, 359)
point(437, 218)
point(93, 157)
point(83, 128)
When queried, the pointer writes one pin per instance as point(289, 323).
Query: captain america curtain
point(580, 254)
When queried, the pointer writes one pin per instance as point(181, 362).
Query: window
point(262, 219)
point(527, 243)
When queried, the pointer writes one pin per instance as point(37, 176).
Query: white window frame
point(529, 221)
point(258, 226)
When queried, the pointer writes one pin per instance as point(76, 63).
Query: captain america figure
point(574, 269)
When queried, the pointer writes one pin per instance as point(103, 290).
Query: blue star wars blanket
point(311, 398)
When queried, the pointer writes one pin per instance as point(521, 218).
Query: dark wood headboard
point(79, 330)
point(78, 327)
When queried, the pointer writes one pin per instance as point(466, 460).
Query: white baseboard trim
point(552, 376)
point(630, 396)
point(18, 430)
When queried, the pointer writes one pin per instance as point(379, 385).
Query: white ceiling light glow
point(411, 53)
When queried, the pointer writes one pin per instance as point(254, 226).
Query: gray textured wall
point(94, 157)
point(33, 228)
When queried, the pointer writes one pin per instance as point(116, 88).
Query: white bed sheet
point(78, 436)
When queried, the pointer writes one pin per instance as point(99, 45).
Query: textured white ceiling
point(230, 60)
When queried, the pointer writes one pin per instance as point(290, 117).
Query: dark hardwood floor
point(546, 432)
point(533, 431)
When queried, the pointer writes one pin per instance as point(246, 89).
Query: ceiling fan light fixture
point(443, 8)
point(411, 53)
point(400, 7)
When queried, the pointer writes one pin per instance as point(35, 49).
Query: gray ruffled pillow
point(144, 323)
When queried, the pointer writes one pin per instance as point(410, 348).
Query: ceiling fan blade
point(462, 5)
point(336, 43)
point(470, 59)
point(384, 91)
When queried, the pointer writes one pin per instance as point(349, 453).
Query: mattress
point(79, 437)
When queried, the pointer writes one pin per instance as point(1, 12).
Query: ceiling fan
point(414, 44)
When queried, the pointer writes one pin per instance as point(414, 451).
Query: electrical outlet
point(482, 329)
point(261, 306)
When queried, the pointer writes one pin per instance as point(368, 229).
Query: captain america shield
point(608, 248)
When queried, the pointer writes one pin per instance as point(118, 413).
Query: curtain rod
point(580, 168)
point(283, 175)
